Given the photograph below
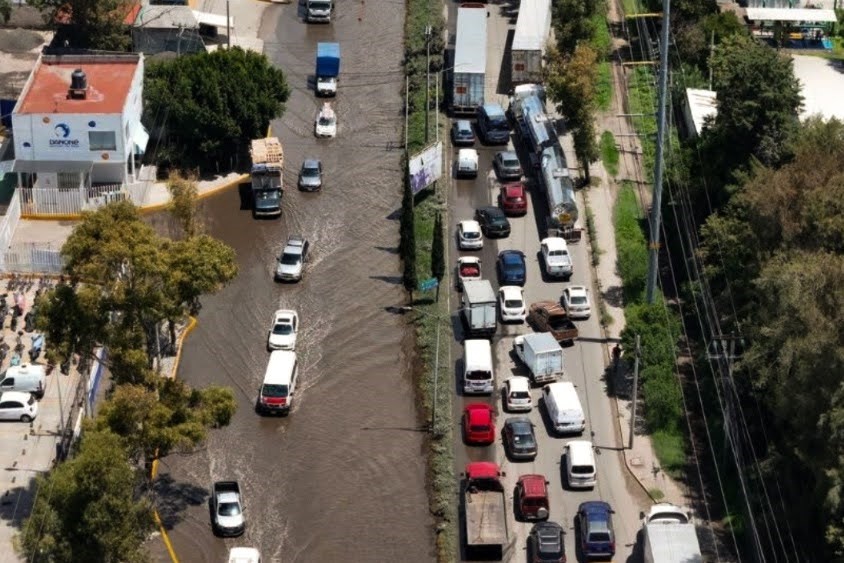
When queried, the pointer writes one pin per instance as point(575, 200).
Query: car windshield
point(513, 303)
point(289, 259)
point(319, 5)
point(510, 162)
point(310, 172)
point(471, 234)
point(477, 375)
point(229, 509)
point(479, 427)
point(599, 536)
point(558, 253)
point(266, 194)
point(282, 329)
point(513, 264)
point(577, 300)
point(326, 121)
point(519, 395)
point(558, 322)
point(274, 390)
point(582, 469)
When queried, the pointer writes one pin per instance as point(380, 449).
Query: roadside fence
point(31, 258)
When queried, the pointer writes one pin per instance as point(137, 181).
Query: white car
point(517, 394)
point(469, 236)
point(326, 122)
point(467, 163)
point(17, 405)
point(291, 263)
point(511, 304)
point(576, 302)
point(244, 555)
point(556, 258)
point(282, 334)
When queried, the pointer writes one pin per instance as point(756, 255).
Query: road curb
point(154, 468)
point(605, 333)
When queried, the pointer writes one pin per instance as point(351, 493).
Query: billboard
point(426, 167)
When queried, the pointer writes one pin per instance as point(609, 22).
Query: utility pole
point(437, 114)
point(659, 164)
point(725, 348)
point(428, 31)
point(406, 106)
point(228, 27)
point(635, 393)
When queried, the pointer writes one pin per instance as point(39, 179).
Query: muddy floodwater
point(341, 478)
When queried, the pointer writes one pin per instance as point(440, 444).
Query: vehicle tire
point(26, 418)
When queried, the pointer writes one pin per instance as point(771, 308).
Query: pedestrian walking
point(616, 355)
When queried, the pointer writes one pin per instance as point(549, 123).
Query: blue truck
point(327, 68)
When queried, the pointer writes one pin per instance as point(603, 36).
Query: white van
point(478, 377)
point(279, 386)
point(26, 378)
point(563, 407)
point(580, 465)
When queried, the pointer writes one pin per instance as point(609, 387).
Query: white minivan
point(563, 407)
point(478, 377)
point(279, 386)
point(26, 378)
point(580, 465)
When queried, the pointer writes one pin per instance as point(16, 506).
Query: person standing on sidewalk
point(616, 356)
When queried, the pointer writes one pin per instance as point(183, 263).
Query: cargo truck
point(533, 28)
point(479, 310)
point(485, 511)
point(267, 168)
point(542, 355)
point(319, 11)
point(327, 68)
point(669, 536)
point(469, 72)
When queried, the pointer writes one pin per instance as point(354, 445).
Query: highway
point(584, 362)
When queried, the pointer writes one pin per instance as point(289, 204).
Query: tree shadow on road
point(173, 498)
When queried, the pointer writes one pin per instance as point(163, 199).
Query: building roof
point(166, 17)
point(109, 80)
point(702, 104)
point(791, 15)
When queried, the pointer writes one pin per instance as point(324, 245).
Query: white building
point(699, 105)
point(77, 124)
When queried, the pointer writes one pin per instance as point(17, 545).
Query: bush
point(631, 245)
point(663, 399)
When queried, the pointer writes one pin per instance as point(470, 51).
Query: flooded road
point(343, 477)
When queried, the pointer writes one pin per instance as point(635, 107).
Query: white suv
point(576, 302)
point(469, 236)
point(17, 405)
point(517, 394)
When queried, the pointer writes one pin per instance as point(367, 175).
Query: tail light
point(612, 546)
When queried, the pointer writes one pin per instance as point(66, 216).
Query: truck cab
point(319, 11)
point(493, 126)
point(267, 169)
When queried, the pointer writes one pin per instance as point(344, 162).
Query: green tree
point(586, 146)
point(93, 24)
point(199, 265)
point(573, 22)
point(171, 417)
point(5, 10)
point(215, 104)
point(88, 508)
point(184, 194)
point(759, 117)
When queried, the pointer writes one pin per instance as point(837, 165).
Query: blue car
point(511, 268)
point(594, 522)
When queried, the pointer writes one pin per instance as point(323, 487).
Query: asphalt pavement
point(584, 362)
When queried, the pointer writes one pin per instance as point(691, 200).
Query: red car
point(478, 424)
point(513, 199)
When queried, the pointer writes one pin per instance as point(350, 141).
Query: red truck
point(485, 510)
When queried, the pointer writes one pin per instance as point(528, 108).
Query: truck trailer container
point(327, 68)
point(484, 507)
point(469, 72)
point(669, 536)
point(533, 28)
point(479, 309)
point(542, 355)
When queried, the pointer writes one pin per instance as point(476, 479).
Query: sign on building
point(426, 167)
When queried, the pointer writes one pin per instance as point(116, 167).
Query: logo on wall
point(61, 132)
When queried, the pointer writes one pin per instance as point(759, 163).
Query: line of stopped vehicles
point(482, 491)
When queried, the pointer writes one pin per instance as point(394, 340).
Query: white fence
point(9, 221)
point(32, 258)
point(58, 201)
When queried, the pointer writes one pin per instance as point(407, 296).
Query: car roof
point(493, 110)
point(518, 421)
point(511, 154)
point(514, 189)
point(470, 225)
point(547, 527)
point(295, 240)
point(284, 314)
point(467, 153)
point(595, 508)
point(579, 447)
point(310, 163)
point(479, 412)
point(511, 256)
point(555, 243)
point(14, 396)
point(534, 485)
point(463, 124)
point(519, 383)
point(511, 291)
point(491, 210)
point(576, 290)
point(280, 367)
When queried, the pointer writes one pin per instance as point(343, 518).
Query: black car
point(519, 439)
point(462, 133)
point(545, 543)
point(494, 222)
point(511, 267)
point(594, 523)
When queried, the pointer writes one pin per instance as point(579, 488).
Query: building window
point(102, 140)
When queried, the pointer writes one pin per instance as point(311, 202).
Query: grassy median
point(431, 315)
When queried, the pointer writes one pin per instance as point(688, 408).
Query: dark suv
point(462, 133)
point(545, 543)
point(494, 222)
point(594, 523)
